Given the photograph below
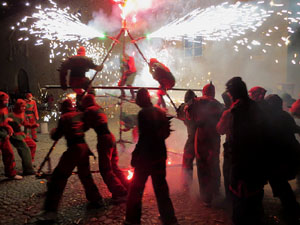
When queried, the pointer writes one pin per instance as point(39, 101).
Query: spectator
point(19, 139)
point(6, 131)
point(31, 114)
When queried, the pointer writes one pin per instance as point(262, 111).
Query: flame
point(72, 97)
point(132, 6)
point(130, 175)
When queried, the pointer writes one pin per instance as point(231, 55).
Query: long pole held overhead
point(54, 86)
point(116, 40)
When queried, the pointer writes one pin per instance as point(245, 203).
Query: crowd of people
point(260, 146)
point(13, 131)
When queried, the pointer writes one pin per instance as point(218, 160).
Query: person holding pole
point(128, 75)
point(165, 78)
point(31, 114)
point(77, 155)
point(78, 65)
point(113, 177)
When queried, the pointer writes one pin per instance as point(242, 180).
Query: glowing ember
point(130, 175)
point(72, 97)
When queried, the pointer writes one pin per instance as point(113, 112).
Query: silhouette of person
point(189, 149)
point(164, 77)
point(248, 129)
point(205, 112)
point(113, 177)
point(128, 74)
point(149, 159)
point(77, 155)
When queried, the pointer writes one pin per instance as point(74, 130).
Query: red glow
point(119, 1)
point(132, 7)
point(130, 175)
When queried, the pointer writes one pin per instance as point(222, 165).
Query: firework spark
point(215, 23)
point(60, 29)
point(59, 24)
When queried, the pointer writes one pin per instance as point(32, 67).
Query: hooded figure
point(189, 150)
point(77, 66)
point(3, 99)
point(285, 157)
point(249, 153)
point(128, 74)
point(113, 177)
point(257, 93)
point(66, 106)
point(189, 95)
point(20, 140)
point(81, 51)
point(71, 126)
point(143, 98)
point(31, 114)
point(149, 159)
point(6, 131)
point(205, 113)
point(209, 90)
point(164, 77)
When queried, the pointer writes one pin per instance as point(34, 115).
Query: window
point(193, 48)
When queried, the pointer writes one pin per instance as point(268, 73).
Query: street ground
point(21, 200)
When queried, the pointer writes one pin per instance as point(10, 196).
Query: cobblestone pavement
point(21, 200)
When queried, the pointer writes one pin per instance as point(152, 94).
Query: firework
point(215, 23)
point(60, 29)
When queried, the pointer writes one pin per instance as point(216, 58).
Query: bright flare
point(130, 175)
point(215, 23)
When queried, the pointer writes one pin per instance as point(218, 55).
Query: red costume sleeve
point(131, 65)
point(224, 123)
